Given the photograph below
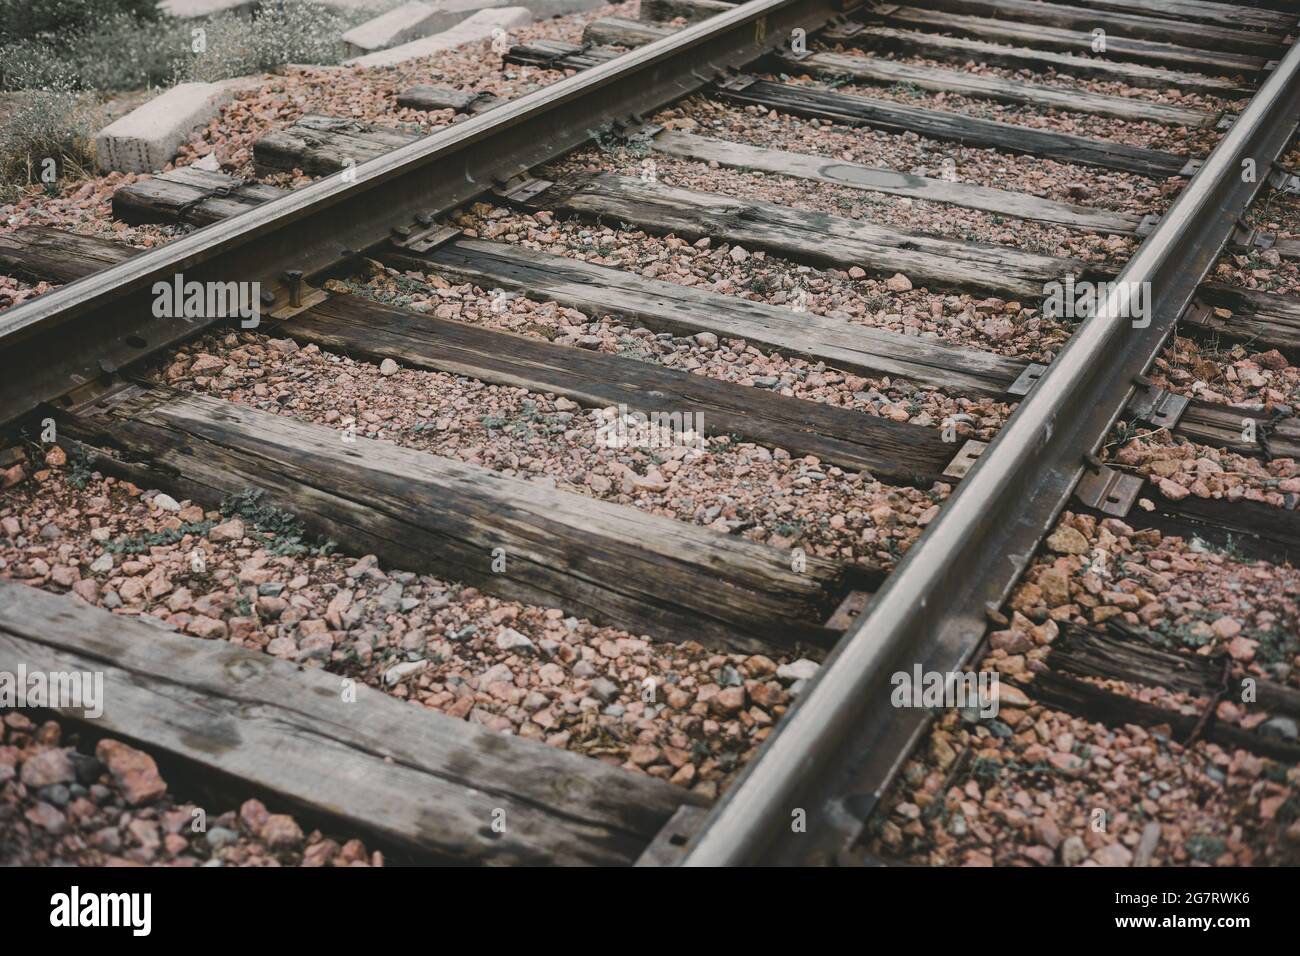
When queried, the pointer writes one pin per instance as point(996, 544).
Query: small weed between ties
point(833, 81)
point(608, 139)
point(282, 533)
point(142, 543)
point(1205, 849)
point(80, 471)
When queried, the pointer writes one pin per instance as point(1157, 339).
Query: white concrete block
point(545, 9)
point(480, 26)
point(188, 9)
point(378, 6)
point(147, 138)
point(412, 21)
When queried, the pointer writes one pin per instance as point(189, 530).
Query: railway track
point(938, 583)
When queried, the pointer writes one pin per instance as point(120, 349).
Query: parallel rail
point(836, 752)
point(840, 746)
point(78, 333)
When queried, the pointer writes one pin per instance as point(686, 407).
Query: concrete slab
point(545, 9)
point(378, 6)
point(476, 28)
point(188, 9)
point(412, 21)
point(146, 139)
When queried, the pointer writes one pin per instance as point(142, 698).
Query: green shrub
point(293, 31)
point(85, 44)
point(126, 55)
point(60, 21)
point(33, 65)
point(46, 124)
point(55, 50)
point(124, 45)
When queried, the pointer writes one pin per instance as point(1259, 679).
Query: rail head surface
point(321, 225)
point(837, 750)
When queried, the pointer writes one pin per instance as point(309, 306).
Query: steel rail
point(839, 747)
point(78, 333)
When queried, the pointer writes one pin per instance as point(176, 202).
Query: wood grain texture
point(958, 49)
point(425, 97)
point(426, 783)
point(685, 310)
point(1200, 11)
point(693, 11)
point(946, 126)
point(877, 70)
point(1086, 652)
point(620, 31)
point(1220, 426)
point(558, 55)
point(318, 145)
point(45, 253)
point(1062, 691)
point(1159, 11)
point(1041, 37)
point(871, 179)
point(604, 561)
point(1127, 25)
point(178, 195)
point(1287, 248)
point(1263, 320)
point(51, 255)
point(850, 439)
point(1256, 530)
point(305, 146)
point(854, 175)
point(805, 236)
